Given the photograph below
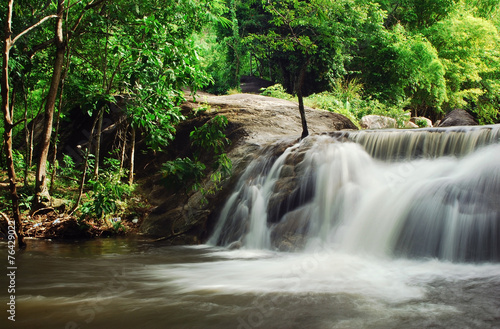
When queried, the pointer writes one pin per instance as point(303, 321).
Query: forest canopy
point(428, 57)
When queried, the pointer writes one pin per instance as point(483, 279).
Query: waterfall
point(398, 144)
point(398, 193)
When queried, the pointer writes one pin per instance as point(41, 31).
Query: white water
point(427, 143)
point(429, 206)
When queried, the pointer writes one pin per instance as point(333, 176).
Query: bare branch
point(18, 122)
point(92, 4)
point(32, 27)
point(40, 47)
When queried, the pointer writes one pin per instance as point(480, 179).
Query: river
point(133, 283)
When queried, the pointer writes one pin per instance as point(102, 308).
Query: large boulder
point(254, 122)
point(458, 117)
point(377, 122)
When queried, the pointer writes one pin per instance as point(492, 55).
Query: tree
point(469, 47)
point(416, 14)
point(401, 68)
point(41, 191)
point(309, 41)
point(8, 114)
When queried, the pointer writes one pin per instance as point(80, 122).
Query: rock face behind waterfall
point(406, 193)
point(254, 121)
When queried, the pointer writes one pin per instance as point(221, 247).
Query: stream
point(132, 283)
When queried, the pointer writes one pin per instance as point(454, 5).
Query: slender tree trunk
point(132, 157)
point(58, 119)
point(98, 143)
point(299, 86)
point(85, 166)
point(26, 139)
point(34, 120)
point(41, 192)
point(53, 161)
point(123, 133)
point(8, 125)
point(269, 66)
point(32, 142)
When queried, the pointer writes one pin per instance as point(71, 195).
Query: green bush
point(183, 172)
point(106, 191)
point(276, 91)
point(421, 123)
point(207, 140)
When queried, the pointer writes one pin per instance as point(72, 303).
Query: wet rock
point(410, 124)
point(290, 233)
point(235, 245)
point(341, 122)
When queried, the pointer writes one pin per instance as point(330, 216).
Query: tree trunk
point(98, 143)
point(123, 132)
point(132, 157)
point(58, 119)
point(41, 192)
point(299, 85)
point(26, 137)
point(8, 125)
point(85, 166)
point(53, 162)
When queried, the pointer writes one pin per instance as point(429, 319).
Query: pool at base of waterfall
point(132, 283)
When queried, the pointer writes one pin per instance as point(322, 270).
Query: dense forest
point(70, 61)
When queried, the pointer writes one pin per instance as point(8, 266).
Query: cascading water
point(412, 193)
point(394, 144)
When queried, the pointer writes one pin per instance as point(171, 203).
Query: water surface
point(129, 283)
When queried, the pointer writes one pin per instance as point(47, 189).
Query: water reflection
point(134, 283)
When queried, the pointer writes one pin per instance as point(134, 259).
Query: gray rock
point(458, 117)
point(377, 122)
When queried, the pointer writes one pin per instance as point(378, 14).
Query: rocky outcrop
point(377, 122)
point(254, 122)
point(458, 117)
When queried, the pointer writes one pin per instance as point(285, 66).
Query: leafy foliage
point(177, 173)
point(469, 49)
point(277, 91)
point(346, 98)
point(106, 192)
point(207, 140)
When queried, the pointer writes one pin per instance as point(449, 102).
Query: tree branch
point(19, 122)
point(92, 5)
point(40, 47)
point(32, 27)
